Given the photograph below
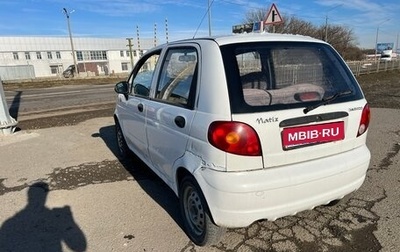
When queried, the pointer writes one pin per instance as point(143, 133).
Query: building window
point(54, 69)
point(98, 55)
point(86, 55)
point(140, 53)
point(79, 55)
point(15, 55)
point(127, 54)
point(27, 56)
point(134, 53)
point(58, 55)
point(121, 53)
point(124, 66)
point(49, 55)
point(91, 55)
point(38, 55)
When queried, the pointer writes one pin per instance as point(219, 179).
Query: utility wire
point(198, 27)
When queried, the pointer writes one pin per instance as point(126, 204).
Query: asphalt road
point(114, 206)
point(34, 103)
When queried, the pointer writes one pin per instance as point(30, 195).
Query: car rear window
point(270, 76)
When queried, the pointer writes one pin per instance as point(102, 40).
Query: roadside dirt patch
point(45, 83)
point(382, 90)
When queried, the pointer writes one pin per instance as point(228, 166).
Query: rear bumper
point(237, 199)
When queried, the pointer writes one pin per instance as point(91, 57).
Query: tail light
point(234, 137)
point(364, 122)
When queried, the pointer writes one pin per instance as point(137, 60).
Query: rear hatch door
point(300, 97)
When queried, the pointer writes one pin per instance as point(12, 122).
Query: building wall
point(50, 56)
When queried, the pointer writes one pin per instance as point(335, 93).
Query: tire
point(196, 215)
point(123, 150)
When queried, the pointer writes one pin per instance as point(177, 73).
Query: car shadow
point(145, 177)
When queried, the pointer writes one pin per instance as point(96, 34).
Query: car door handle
point(180, 121)
point(140, 107)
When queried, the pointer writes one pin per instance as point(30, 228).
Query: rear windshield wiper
point(327, 100)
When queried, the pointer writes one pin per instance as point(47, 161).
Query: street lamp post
point(376, 38)
point(67, 13)
point(326, 21)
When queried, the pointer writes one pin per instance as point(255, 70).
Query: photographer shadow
point(38, 228)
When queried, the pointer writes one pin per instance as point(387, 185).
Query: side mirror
point(122, 88)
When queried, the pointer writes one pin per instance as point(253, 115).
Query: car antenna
point(202, 19)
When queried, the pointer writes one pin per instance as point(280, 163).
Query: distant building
point(31, 57)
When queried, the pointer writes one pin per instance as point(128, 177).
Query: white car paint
point(241, 189)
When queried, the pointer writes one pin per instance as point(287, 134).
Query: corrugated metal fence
point(24, 72)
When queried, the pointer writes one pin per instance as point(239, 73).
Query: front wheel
point(196, 215)
point(123, 150)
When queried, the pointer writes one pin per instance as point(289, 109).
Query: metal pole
point(166, 30)
point(138, 41)
point(209, 19)
point(155, 35)
point(130, 50)
point(376, 43)
point(70, 38)
point(326, 21)
point(326, 28)
point(7, 123)
point(376, 38)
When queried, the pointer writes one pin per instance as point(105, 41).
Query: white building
point(31, 57)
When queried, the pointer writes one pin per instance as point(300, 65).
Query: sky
point(178, 19)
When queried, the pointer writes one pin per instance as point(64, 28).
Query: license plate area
point(295, 137)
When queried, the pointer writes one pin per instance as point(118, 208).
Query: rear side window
point(267, 76)
point(178, 77)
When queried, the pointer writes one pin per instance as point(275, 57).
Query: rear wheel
point(123, 150)
point(196, 215)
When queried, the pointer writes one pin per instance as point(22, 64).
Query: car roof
point(258, 37)
point(254, 37)
point(245, 37)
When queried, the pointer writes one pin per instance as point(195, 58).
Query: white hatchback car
point(245, 127)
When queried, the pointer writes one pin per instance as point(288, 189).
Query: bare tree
point(295, 25)
point(254, 16)
point(340, 37)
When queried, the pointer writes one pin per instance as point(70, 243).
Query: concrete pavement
point(78, 164)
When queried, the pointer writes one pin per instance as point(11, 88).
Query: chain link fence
point(27, 72)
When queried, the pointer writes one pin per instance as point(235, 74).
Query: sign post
point(7, 123)
point(273, 17)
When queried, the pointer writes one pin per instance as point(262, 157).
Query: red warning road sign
point(273, 16)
